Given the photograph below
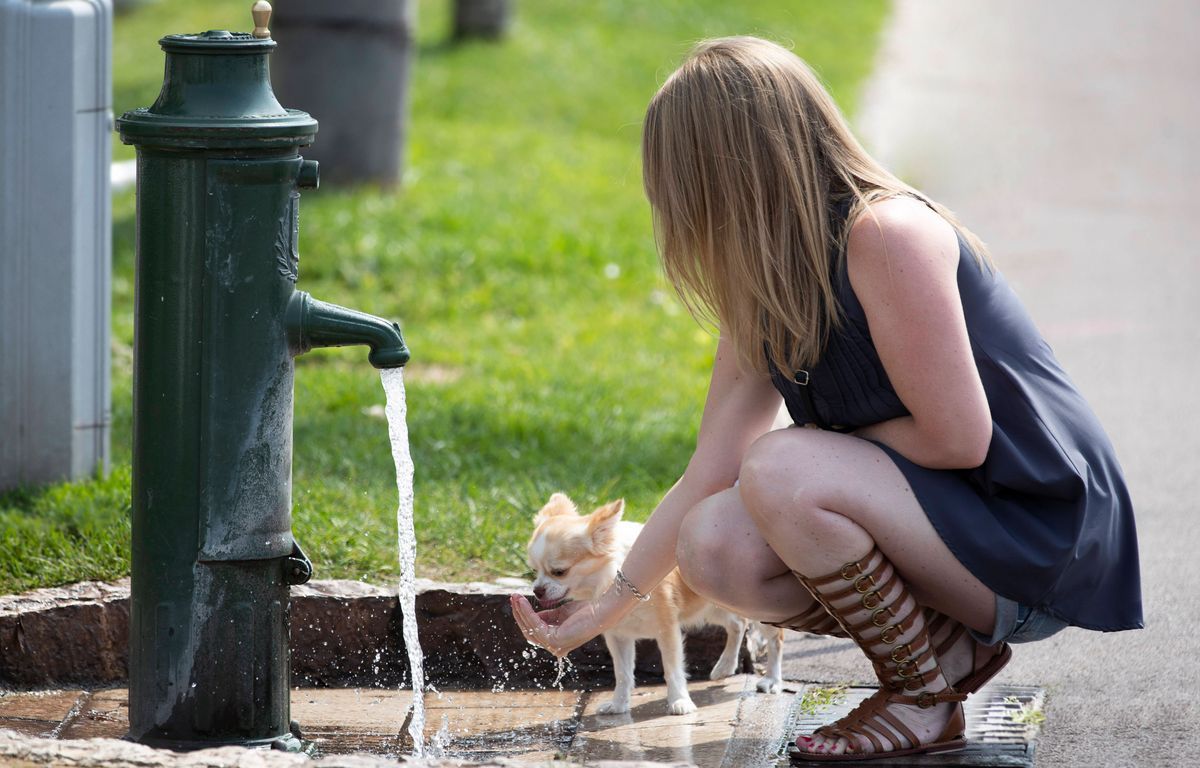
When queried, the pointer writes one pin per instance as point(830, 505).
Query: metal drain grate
point(1003, 722)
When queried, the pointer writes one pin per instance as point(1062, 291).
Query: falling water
point(397, 409)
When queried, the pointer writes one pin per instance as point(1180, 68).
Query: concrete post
point(487, 19)
point(55, 239)
point(347, 64)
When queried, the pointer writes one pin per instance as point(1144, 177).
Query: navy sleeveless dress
point(1046, 521)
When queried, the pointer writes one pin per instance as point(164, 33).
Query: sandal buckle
point(926, 700)
point(869, 603)
point(896, 629)
point(860, 587)
point(907, 648)
point(879, 612)
point(849, 575)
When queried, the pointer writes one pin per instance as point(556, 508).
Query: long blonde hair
point(744, 155)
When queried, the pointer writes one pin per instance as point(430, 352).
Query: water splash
point(564, 664)
point(397, 413)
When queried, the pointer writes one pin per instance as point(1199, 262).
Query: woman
point(958, 494)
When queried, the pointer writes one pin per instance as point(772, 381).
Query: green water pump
point(218, 320)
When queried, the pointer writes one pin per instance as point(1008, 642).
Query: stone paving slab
point(476, 725)
point(101, 714)
point(648, 732)
point(38, 713)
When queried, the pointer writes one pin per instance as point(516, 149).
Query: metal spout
point(313, 323)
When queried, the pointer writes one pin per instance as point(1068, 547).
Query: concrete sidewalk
point(1065, 134)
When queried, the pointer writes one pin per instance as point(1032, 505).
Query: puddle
point(465, 725)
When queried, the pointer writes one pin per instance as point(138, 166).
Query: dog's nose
point(539, 592)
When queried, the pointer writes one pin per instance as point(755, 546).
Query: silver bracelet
point(623, 582)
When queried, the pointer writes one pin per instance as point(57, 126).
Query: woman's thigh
point(722, 556)
point(811, 492)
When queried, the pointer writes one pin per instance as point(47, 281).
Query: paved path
point(1065, 134)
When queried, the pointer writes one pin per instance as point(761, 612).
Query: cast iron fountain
point(218, 321)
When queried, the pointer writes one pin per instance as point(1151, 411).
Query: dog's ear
point(602, 525)
point(559, 504)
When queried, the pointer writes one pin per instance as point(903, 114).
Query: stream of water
point(397, 412)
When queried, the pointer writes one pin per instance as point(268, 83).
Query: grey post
point(55, 239)
point(486, 19)
point(347, 63)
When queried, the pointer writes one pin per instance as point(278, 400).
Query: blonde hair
point(744, 155)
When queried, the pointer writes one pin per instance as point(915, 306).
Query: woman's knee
point(786, 490)
point(772, 481)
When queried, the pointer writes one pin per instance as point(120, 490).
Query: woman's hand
point(559, 630)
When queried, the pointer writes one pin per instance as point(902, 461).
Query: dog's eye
point(558, 572)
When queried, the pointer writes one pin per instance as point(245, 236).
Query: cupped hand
point(559, 630)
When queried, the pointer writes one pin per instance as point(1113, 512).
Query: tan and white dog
point(576, 557)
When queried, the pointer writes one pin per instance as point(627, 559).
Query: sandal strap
point(870, 719)
point(815, 620)
point(847, 572)
point(900, 727)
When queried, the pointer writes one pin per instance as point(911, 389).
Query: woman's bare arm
point(903, 265)
point(740, 407)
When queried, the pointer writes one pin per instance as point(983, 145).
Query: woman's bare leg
point(821, 500)
point(723, 557)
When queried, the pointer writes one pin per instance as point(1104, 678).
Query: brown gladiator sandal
point(885, 621)
point(815, 620)
point(935, 622)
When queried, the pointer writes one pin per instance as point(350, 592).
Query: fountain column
point(217, 322)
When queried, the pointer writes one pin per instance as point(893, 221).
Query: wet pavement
point(734, 725)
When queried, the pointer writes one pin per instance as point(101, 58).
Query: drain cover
point(1003, 722)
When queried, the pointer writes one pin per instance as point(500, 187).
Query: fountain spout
point(314, 323)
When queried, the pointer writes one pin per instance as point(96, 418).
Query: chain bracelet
point(623, 583)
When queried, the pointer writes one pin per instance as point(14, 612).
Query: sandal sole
point(798, 757)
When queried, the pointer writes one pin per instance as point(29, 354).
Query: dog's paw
point(768, 684)
point(681, 707)
point(613, 707)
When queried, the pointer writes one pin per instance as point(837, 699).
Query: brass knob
point(261, 13)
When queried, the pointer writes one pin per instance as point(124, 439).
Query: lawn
point(548, 354)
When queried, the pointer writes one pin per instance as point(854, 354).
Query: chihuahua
point(576, 557)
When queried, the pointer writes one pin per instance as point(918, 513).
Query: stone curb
point(22, 751)
point(342, 633)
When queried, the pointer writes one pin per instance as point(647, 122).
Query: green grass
point(547, 352)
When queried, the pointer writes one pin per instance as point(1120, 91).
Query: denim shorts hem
point(1016, 623)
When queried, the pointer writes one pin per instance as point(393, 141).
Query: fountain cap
point(216, 94)
point(261, 13)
